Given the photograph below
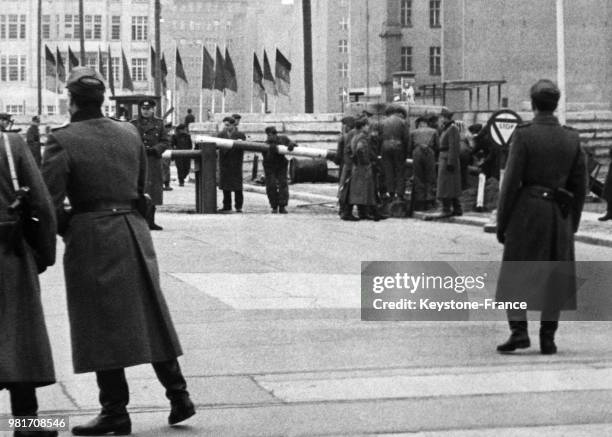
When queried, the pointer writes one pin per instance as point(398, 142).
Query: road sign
point(502, 125)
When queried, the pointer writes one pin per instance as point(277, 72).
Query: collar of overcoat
point(86, 114)
point(546, 118)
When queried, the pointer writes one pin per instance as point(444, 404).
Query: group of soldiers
point(372, 153)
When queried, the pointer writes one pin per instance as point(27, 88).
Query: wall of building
point(516, 41)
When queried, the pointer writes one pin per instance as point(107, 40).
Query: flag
point(153, 62)
point(283, 70)
point(73, 61)
point(219, 71)
point(50, 70)
point(61, 70)
point(164, 71)
point(101, 63)
point(258, 78)
point(208, 70)
point(111, 79)
point(230, 73)
point(127, 83)
point(269, 83)
point(180, 71)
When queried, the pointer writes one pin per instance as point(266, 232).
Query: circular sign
point(502, 125)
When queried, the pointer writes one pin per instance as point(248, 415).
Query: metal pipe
point(223, 143)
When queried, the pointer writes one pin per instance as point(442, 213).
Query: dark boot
point(519, 339)
point(24, 403)
point(547, 337)
point(151, 220)
point(282, 210)
point(170, 375)
point(114, 398)
point(446, 208)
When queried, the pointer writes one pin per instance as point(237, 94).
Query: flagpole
point(57, 92)
point(176, 97)
point(252, 82)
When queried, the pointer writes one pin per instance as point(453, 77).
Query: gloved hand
point(450, 168)
point(291, 146)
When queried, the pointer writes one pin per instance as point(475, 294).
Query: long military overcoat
point(547, 155)
point(25, 353)
point(362, 189)
point(118, 314)
point(155, 139)
point(230, 163)
point(449, 182)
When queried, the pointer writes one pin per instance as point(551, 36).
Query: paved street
point(267, 309)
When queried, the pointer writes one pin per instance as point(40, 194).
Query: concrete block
point(318, 127)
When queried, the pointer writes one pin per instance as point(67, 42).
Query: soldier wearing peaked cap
point(117, 311)
point(5, 121)
point(155, 139)
point(230, 167)
point(540, 205)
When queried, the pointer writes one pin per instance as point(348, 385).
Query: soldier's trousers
point(183, 165)
point(394, 169)
point(227, 199)
point(115, 394)
point(277, 187)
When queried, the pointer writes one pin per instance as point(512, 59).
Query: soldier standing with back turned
point(540, 204)
point(155, 139)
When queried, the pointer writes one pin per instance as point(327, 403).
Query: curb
point(481, 221)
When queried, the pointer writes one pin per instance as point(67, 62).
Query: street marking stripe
point(270, 291)
point(440, 385)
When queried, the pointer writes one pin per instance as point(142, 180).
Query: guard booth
point(127, 106)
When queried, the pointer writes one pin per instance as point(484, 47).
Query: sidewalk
point(591, 230)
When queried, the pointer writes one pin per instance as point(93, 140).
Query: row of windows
point(92, 27)
point(434, 13)
point(12, 68)
point(435, 60)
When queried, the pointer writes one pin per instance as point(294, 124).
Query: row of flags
point(217, 74)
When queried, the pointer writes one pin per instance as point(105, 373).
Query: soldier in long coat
point(230, 167)
point(607, 194)
point(540, 204)
point(155, 139)
point(25, 353)
point(118, 314)
point(449, 176)
point(344, 158)
point(424, 141)
point(362, 190)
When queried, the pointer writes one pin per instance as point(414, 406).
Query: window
point(13, 68)
point(93, 27)
point(406, 13)
point(50, 110)
point(435, 61)
point(343, 46)
point(139, 69)
point(116, 27)
point(15, 109)
point(91, 60)
point(139, 28)
point(46, 26)
point(343, 93)
point(72, 27)
point(344, 24)
point(343, 69)
point(12, 26)
point(406, 58)
point(434, 13)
